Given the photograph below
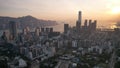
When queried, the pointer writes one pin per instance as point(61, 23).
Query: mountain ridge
point(25, 21)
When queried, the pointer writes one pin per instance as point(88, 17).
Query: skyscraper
point(42, 29)
point(37, 31)
point(47, 30)
point(92, 25)
point(85, 25)
point(80, 16)
point(13, 29)
point(78, 23)
point(24, 31)
point(66, 28)
point(51, 30)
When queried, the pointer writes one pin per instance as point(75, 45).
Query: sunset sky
point(107, 12)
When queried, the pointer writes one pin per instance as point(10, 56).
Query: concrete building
point(13, 29)
point(42, 30)
point(37, 31)
point(79, 21)
point(74, 43)
point(51, 30)
point(66, 28)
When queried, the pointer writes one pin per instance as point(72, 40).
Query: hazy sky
point(105, 11)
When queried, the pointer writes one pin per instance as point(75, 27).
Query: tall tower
point(13, 29)
point(78, 23)
point(80, 16)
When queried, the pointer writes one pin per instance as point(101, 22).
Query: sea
point(56, 28)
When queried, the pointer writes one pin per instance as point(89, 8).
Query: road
point(112, 60)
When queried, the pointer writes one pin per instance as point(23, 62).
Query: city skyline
point(59, 34)
point(105, 11)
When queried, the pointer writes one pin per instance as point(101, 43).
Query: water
point(57, 28)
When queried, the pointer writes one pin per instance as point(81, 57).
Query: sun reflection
point(113, 26)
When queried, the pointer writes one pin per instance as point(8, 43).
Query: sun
point(116, 10)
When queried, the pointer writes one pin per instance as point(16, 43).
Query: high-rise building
point(4, 37)
point(78, 23)
point(92, 25)
point(47, 30)
point(95, 25)
point(27, 29)
point(42, 29)
point(78, 26)
point(80, 16)
point(66, 28)
point(24, 31)
point(85, 27)
point(37, 31)
point(13, 29)
point(85, 23)
point(51, 30)
point(90, 21)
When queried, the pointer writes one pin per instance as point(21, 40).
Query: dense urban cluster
point(77, 47)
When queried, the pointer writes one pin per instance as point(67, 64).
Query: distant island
point(25, 21)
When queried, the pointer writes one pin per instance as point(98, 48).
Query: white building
point(74, 43)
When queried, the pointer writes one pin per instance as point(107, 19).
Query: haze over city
point(59, 34)
point(107, 12)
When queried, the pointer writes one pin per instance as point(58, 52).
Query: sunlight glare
point(116, 10)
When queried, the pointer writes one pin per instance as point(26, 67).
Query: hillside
point(24, 21)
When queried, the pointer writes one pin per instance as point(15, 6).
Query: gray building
point(13, 29)
point(66, 28)
point(78, 23)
